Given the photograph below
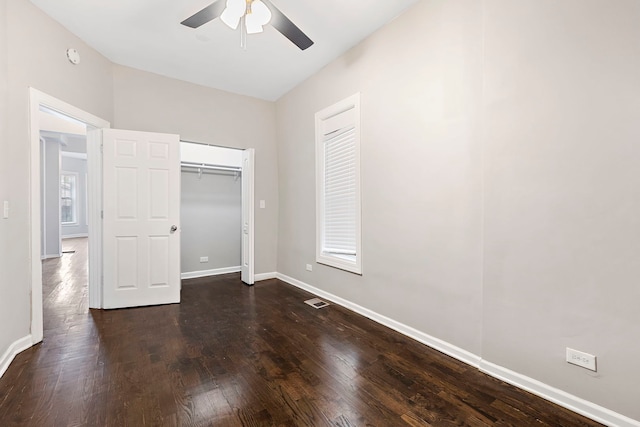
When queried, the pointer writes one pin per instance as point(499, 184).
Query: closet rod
point(207, 166)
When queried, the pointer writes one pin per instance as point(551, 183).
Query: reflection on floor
point(233, 355)
point(64, 288)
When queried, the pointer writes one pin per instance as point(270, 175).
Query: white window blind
point(338, 185)
point(340, 192)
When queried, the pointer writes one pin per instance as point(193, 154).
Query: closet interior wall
point(211, 217)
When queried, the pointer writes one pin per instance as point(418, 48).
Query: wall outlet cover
point(582, 359)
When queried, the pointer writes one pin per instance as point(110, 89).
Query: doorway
point(40, 101)
point(63, 181)
point(217, 211)
point(211, 219)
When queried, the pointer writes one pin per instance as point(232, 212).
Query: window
point(338, 241)
point(68, 201)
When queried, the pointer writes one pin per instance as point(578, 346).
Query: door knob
point(173, 228)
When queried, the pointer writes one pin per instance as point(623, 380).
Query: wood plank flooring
point(232, 355)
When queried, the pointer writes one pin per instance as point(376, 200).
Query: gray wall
point(50, 192)
point(34, 54)
point(79, 166)
point(11, 329)
point(211, 218)
point(145, 101)
point(561, 150)
point(421, 174)
point(500, 191)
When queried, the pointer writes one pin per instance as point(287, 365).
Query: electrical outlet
point(579, 358)
point(262, 204)
point(309, 267)
point(204, 259)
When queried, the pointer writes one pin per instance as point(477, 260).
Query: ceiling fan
point(252, 15)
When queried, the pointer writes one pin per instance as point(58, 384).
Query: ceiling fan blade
point(207, 14)
point(288, 29)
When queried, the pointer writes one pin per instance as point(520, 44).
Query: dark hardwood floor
point(232, 355)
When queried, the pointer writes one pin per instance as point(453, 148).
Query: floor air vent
point(316, 303)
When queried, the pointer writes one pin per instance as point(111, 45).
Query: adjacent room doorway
point(103, 259)
point(40, 101)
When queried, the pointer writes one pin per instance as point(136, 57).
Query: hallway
point(64, 288)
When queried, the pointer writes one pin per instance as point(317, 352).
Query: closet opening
point(214, 189)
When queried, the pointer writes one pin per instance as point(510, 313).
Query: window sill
point(348, 263)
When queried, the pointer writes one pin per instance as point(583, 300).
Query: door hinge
point(101, 214)
point(101, 148)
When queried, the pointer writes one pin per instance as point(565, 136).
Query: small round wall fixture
point(73, 56)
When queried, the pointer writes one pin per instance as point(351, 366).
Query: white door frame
point(248, 215)
point(37, 99)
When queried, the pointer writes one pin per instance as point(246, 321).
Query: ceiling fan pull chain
point(243, 33)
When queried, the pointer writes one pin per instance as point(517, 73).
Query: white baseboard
point(264, 276)
point(17, 347)
point(49, 256)
point(205, 273)
point(557, 396)
point(433, 342)
point(74, 236)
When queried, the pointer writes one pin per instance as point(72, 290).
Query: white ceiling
point(147, 35)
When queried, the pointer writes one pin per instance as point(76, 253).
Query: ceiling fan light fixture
point(257, 17)
point(233, 12)
point(252, 27)
point(241, 12)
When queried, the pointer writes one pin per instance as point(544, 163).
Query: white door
point(141, 230)
point(247, 272)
